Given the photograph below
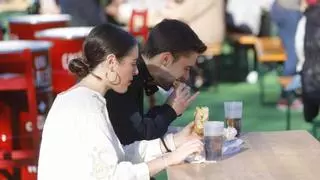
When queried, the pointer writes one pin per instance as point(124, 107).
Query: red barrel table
point(23, 118)
point(24, 27)
point(67, 44)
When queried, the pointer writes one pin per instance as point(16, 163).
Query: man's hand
point(181, 98)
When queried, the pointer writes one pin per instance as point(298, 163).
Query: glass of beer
point(213, 140)
point(233, 115)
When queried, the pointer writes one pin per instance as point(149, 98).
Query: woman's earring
point(113, 77)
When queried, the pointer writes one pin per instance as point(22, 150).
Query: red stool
point(137, 29)
point(67, 44)
point(24, 27)
point(31, 79)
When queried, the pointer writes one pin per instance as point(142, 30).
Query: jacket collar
point(149, 83)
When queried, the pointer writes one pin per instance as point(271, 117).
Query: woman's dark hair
point(103, 40)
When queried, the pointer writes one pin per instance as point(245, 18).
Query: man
point(170, 51)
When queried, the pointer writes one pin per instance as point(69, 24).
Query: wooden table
point(286, 155)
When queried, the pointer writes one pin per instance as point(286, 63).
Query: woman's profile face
point(127, 69)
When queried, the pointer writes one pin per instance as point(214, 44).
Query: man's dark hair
point(173, 36)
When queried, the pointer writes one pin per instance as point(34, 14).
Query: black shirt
point(129, 121)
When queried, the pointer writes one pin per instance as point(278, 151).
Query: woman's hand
point(185, 135)
point(183, 151)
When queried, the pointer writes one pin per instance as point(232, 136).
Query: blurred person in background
point(83, 13)
point(112, 11)
point(244, 16)
point(308, 52)
point(111, 8)
point(249, 17)
point(205, 17)
point(286, 15)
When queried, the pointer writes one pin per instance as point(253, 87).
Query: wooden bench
point(213, 50)
point(269, 50)
point(243, 39)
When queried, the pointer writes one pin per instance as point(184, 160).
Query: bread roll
point(201, 116)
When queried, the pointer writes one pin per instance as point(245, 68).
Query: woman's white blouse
point(78, 142)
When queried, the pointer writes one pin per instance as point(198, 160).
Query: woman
point(78, 140)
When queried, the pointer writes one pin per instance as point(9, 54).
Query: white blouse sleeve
point(143, 151)
point(103, 159)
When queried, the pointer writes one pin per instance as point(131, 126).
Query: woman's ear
point(111, 61)
point(111, 58)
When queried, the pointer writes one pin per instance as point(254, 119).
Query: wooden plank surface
point(286, 155)
point(270, 49)
point(243, 39)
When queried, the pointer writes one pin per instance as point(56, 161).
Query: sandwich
point(201, 116)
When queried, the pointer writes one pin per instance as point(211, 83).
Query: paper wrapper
point(231, 145)
point(200, 117)
point(230, 133)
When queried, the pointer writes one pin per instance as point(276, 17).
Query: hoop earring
point(114, 79)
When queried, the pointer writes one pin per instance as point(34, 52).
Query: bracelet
point(165, 146)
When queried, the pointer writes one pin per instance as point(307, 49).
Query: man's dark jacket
point(126, 111)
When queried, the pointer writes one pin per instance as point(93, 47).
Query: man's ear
point(166, 59)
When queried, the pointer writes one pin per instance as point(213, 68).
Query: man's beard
point(161, 77)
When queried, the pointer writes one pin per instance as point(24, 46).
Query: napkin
point(229, 148)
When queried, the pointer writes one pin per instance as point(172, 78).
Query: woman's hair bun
point(78, 67)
